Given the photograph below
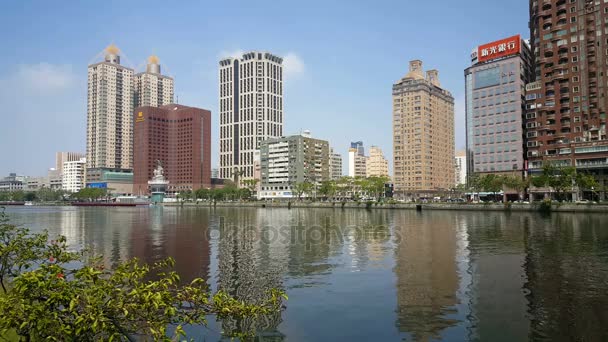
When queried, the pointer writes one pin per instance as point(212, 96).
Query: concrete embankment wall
point(575, 208)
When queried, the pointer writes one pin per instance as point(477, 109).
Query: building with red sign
point(178, 136)
point(568, 100)
point(495, 107)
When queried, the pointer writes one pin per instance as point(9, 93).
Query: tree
point(185, 195)
point(250, 184)
point(559, 179)
point(203, 193)
point(50, 195)
point(90, 194)
point(328, 189)
point(59, 300)
point(18, 196)
point(516, 183)
point(491, 183)
point(303, 189)
point(30, 196)
point(345, 187)
point(375, 186)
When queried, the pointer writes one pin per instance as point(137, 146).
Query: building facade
point(73, 176)
point(178, 136)
point(460, 168)
point(335, 165)
point(109, 113)
point(251, 110)
point(358, 145)
point(376, 165)
point(151, 88)
point(495, 107)
point(13, 182)
point(288, 161)
point(423, 134)
point(357, 160)
point(567, 102)
point(62, 157)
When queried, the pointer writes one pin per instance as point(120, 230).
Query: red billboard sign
point(498, 49)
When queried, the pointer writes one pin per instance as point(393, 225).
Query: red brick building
point(178, 136)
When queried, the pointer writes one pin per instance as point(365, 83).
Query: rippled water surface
point(380, 275)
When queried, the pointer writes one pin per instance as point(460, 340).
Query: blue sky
point(342, 58)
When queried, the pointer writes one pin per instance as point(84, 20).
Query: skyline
point(336, 87)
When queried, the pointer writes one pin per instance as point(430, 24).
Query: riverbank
point(555, 207)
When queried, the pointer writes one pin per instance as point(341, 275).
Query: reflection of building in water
point(496, 299)
point(249, 265)
point(72, 226)
point(102, 231)
point(426, 270)
point(159, 233)
point(567, 273)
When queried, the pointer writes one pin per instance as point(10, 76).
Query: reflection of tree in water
point(567, 269)
point(426, 270)
point(247, 269)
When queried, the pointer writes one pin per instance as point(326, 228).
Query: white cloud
point(43, 78)
point(292, 65)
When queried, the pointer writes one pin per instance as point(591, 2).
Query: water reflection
point(427, 276)
point(371, 275)
point(567, 270)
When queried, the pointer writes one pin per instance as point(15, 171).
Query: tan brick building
point(423, 135)
point(376, 165)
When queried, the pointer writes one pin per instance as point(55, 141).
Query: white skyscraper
point(151, 87)
point(251, 109)
point(460, 164)
point(110, 113)
point(73, 175)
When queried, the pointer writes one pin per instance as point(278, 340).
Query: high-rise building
point(566, 117)
point(358, 145)
point(495, 106)
point(251, 109)
point(460, 167)
point(356, 162)
point(423, 134)
point(151, 87)
point(335, 165)
point(109, 113)
point(180, 138)
point(73, 175)
point(376, 165)
point(288, 161)
point(62, 157)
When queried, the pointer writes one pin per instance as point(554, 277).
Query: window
point(487, 78)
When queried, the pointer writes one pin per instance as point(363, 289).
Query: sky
point(341, 59)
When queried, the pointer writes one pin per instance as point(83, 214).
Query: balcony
point(592, 163)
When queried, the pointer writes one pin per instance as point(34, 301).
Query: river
point(371, 275)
